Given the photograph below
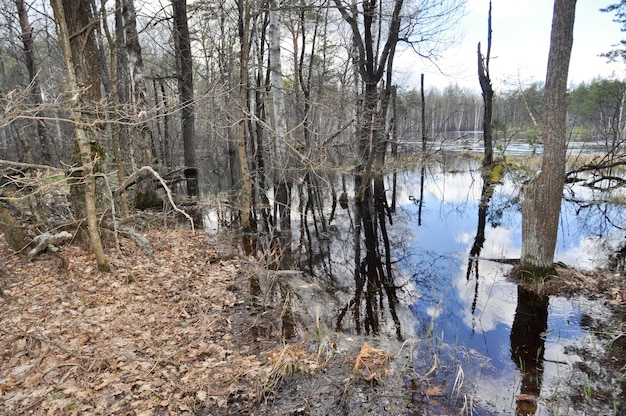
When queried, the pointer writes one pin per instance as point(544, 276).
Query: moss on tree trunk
point(14, 234)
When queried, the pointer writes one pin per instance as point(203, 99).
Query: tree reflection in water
point(479, 240)
point(373, 269)
point(527, 346)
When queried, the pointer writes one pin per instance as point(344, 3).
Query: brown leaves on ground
point(605, 285)
point(371, 363)
point(169, 336)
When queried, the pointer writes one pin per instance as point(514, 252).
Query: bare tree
point(74, 24)
point(541, 206)
point(371, 61)
point(485, 85)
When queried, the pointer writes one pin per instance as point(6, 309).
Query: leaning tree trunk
point(79, 55)
point(541, 206)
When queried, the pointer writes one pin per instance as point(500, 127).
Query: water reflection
point(527, 346)
point(525, 338)
point(413, 272)
point(373, 274)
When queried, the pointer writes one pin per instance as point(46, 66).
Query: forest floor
point(175, 332)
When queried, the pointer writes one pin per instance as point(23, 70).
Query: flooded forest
point(235, 208)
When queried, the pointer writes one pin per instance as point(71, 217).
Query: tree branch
point(131, 180)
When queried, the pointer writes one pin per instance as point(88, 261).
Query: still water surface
point(519, 349)
point(487, 344)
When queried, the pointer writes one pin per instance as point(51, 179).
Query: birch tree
point(280, 118)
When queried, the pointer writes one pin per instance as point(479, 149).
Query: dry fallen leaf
point(371, 363)
point(433, 391)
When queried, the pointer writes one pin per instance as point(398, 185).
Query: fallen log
point(48, 241)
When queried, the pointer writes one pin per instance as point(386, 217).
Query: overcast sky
point(520, 43)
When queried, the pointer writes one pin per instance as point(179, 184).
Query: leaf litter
point(165, 333)
point(148, 338)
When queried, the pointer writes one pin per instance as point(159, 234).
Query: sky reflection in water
point(478, 321)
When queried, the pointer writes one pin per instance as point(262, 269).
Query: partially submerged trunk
point(541, 206)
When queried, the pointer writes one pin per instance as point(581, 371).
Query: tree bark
point(74, 18)
point(35, 93)
point(244, 38)
point(184, 66)
point(541, 206)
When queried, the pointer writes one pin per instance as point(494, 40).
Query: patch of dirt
point(177, 332)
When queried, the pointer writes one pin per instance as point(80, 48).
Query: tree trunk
point(184, 66)
point(13, 233)
point(371, 61)
point(485, 85)
point(118, 128)
point(244, 38)
point(74, 17)
point(423, 124)
point(35, 93)
point(281, 161)
point(541, 206)
point(132, 83)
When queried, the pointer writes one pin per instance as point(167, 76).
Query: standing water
point(520, 350)
point(478, 343)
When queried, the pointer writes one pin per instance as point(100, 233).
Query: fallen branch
point(131, 180)
point(28, 165)
point(596, 166)
point(48, 241)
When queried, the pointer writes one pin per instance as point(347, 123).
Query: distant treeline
point(595, 112)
